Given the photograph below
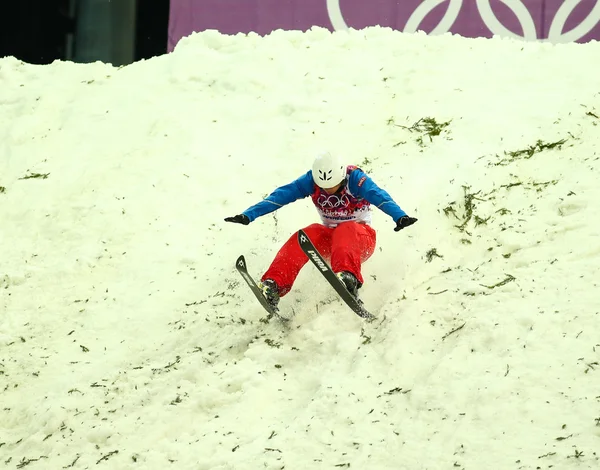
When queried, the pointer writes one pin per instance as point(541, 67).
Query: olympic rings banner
point(556, 21)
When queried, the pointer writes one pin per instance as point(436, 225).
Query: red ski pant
point(347, 246)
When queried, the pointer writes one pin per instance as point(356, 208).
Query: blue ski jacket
point(351, 203)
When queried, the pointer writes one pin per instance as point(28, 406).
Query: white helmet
point(328, 170)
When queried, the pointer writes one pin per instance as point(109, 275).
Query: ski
point(313, 254)
point(242, 268)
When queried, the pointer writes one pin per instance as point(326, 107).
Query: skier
point(342, 195)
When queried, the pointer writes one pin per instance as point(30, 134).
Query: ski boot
point(350, 281)
point(270, 290)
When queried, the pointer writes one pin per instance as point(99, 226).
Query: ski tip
point(302, 237)
point(241, 261)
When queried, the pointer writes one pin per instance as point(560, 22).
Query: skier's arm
point(363, 186)
point(297, 189)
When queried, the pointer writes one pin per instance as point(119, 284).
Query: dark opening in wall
point(36, 31)
point(152, 28)
point(42, 31)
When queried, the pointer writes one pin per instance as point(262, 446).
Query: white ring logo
point(555, 34)
point(335, 15)
point(333, 201)
point(417, 17)
point(522, 13)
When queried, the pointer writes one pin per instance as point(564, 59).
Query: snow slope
point(127, 339)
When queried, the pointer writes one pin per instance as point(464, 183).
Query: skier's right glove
point(238, 219)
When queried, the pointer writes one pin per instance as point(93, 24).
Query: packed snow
point(128, 340)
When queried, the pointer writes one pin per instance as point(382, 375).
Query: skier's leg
point(290, 259)
point(351, 245)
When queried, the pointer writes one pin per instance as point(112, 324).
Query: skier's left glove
point(403, 222)
point(238, 219)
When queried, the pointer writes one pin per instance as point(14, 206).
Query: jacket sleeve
point(297, 189)
point(363, 186)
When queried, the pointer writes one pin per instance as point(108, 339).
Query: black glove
point(403, 222)
point(239, 219)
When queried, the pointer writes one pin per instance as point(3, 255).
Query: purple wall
point(558, 21)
